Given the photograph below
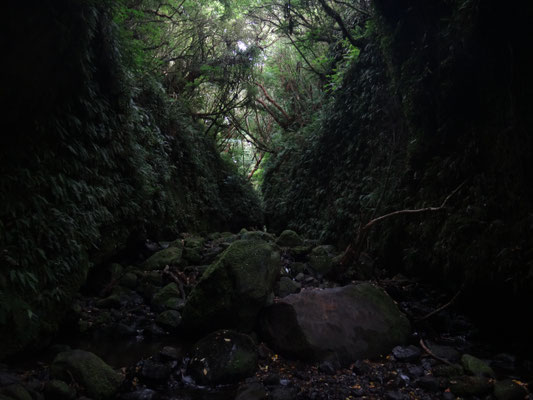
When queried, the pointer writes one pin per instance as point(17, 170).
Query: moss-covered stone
point(321, 260)
point(16, 392)
point(223, 357)
point(289, 238)
point(58, 390)
point(233, 289)
point(170, 291)
point(476, 367)
point(129, 280)
point(98, 379)
point(509, 390)
point(111, 301)
point(470, 386)
point(159, 260)
point(448, 371)
point(170, 319)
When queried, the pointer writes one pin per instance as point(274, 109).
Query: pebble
point(406, 353)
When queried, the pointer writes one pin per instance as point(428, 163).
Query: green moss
point(169, 256)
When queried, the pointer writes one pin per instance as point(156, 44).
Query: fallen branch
point(175, 278)
point(438, 310)
point(436, 357)
point(354, 248)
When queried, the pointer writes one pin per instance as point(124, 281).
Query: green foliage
point(100, 154)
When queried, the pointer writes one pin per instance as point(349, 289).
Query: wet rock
point(283, 393)
point(58, 390)
point(300, 277)
point(350, 323)
point(287, 286)
point(233, 289)
point(475, 366)
point(99, 379)
point(505, 362)
point(272, 379)
point(470, 386)
point(329, 367)
point(289, 238)
point(429, 383)
point(300, 252)
point(415, 371)
point(169, 319)
point(169, 256)
point(251, 391)
point(16, 392)
point(154, 331)
point(223, 357)
point(447, 352)
point(141, 394)
point(170, 353)
point(170, 291)
point(509, 390)
point(321, 260)
point(155, 371)
point(7, 378)
point(174, 303)
point(406, 353)
point(395, 395)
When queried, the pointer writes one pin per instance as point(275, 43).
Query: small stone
point(446, 352)
point(406, 353)
point(509, 390)
point(300, 277)
point(328, 367)
point(155, 371)
point(58, 390)
point(415, 370)
point(476, 367)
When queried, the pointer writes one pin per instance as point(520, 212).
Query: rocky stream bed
point(253, 316)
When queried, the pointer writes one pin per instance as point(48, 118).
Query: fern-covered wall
point(440, 98)
point(91, 154)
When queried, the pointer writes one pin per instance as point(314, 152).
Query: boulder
point(287, 286)
point(88, 370)
point(346, 323)
point(289, 238)
point(58, 390)
point(223, 357)
point(509, 390)
point(169, 256)
point(257, 235)
point(169, 319)
point(233, 290)
point(321, 259)
point(165, 294)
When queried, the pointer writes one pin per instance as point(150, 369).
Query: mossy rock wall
point(439, 99)
point(91, 155)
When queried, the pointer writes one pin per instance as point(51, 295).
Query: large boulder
point(321, 259)
point(233, 290)
point(99, 380)
point(289, 239)
point(223, 356)
point(346, 323)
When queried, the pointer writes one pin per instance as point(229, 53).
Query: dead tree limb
point(354, 249)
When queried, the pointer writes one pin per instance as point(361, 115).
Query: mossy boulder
point(470, 386)
point(56, 389)
point(223, 357)
point(170, 319)
point(347, 323)
point(165, 294)
point(509, 390)
point(16, 392)
point(129, 280)
point(98, 379)
point(477, 367)
point(169, 256)
point(289, 238)
point(321, 259)
point(234, 288)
